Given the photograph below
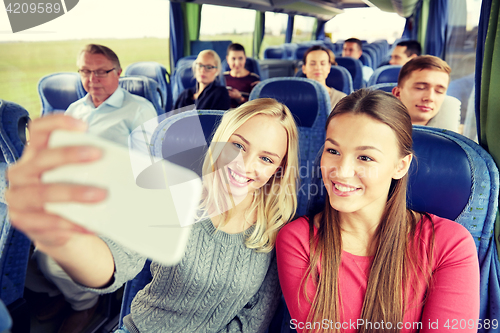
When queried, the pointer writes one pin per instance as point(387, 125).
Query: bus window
point(238, 25)
point(375, 24)
point(274, 32)
point(303, 29)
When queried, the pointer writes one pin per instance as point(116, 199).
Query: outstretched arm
point(83, 255)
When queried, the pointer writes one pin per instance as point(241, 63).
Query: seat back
point(144, 87)
point(274, 52)
point(181, 139)
point(57, 91)
point(14, 246)
point(157, 72)
point(251, 65)
point(183, 78)
point(355, 67)
point(385, 74)
point(366, 60)
point(387, 87)
point(339, 78)
point(309, 102)
point(453, 177)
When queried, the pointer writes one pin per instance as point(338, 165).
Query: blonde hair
point(214, 55)
point(276, 202)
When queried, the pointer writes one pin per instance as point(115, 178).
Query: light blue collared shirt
point(117, 117)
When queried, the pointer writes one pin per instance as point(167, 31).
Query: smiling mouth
point(343, 188)
point(424, 108)
point(240, 180)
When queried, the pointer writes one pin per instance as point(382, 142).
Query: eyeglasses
point(97, 73)
point(207, 67)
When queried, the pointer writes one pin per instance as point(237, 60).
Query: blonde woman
point(206, 95)
point(367, 263)
point(227, 280)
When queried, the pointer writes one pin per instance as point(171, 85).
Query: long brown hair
point(390, 288)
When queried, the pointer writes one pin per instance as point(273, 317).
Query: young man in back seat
point(422, 85)
point(239, 80)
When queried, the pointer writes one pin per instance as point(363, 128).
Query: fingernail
point(93, 194)
point(89, 153)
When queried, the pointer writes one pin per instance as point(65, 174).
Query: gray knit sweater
point(219, 286)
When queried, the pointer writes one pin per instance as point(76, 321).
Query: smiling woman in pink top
point(367, 263)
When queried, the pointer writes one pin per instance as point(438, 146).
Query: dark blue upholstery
point(251, 65)
point(453, 177)
point(144, 87)
point(219, 46)
point(186, 60)
point(274, 52)
point(339, 78)
point(299, 51)
point(309, 102)
point(355, 67)
point(57, 91)
point(14, 246)
point(366, 60)
point(372, 54)
point(157, 72)
point(385, 74)
point(175, 135)
point(183, 78)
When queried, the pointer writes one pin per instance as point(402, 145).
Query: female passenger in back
point(367, 263)
point(318, 61)
point(206, 95)
point(227, 280)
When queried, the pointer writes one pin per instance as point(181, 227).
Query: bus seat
point(144, 87)
point(387, 87)
point(186, 60)
point(366, 60)
point(274, 52)
point(157, 72)
point(289, 50)
point(183, 78)
point(309, 102)
point(5, 319)
point(339, 78)
point(57, 91)
point(270, 68)
point(455, 178)
point(251, 65)
point(219, 46)
point(14, 245)
point(372, 54)
point(300, 50)
point(174, 136)
point(385, 74)
point(355, 67)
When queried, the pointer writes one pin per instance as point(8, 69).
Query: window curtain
point(289, 29)
point(487, 100)
point(319, 29)
point(258, 34)
point(436, 27)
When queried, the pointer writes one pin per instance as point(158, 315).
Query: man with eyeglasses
point(112, 113)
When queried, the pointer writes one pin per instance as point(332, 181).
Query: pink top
point(453, 300)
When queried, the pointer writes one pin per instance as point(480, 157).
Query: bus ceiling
point(321, 9)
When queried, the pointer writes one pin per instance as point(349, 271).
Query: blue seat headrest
point(299, 96)
point(58, 91)
point(440, 176)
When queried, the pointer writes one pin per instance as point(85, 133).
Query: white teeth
point(238, 178)
point(344, 188)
